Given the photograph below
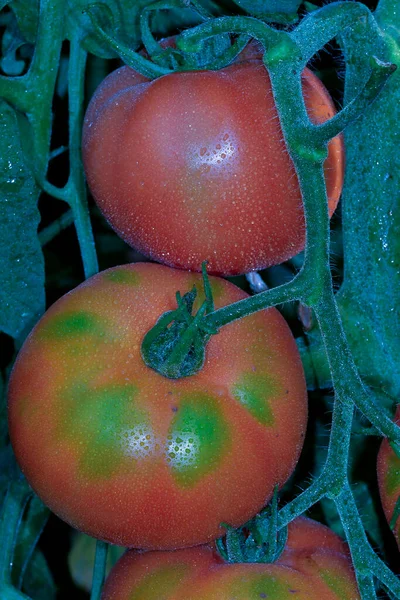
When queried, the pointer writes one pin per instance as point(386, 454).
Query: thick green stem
point(192, 39)
point(41, 78)
point(365, 561)
point(302, 502)
point(334, 474)
point(284, 293)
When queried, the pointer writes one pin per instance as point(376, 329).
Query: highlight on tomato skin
point(192, 166)
point(315, 565)
point(131, 457)
point(388, 468)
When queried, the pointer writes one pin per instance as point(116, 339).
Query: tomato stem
point(99, 570)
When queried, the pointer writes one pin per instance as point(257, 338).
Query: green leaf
point(12, 42)
point(38, 582)
point(22, 297)
point(27, 14)
point(279, 11)
point(32, 524)
point(369, 300)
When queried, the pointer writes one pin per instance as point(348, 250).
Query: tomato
point(314, 565)
point(192, 166)
point(129, 456)
point(389, 479)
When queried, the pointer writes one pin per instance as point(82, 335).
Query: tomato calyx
point(175, 346)
point(258, 540)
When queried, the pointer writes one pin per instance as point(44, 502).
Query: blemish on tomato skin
point(254, 392)
point(75, 324)
point(122, 276)
point(198, 439)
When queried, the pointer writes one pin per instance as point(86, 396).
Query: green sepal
point(258, 540)
point(175, 346)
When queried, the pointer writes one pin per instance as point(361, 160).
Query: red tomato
point(314, 566)
point(192, 166)
point(389, 479)
point(137, 459)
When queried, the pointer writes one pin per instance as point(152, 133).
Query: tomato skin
point(131, 457)
point(192, 166)
point(158, 574)
point(389, 479)
point(310, 568)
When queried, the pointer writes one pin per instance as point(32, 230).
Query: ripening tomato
point(193, 166)
point(134, 458)
point(389, 480)
point(314, 566)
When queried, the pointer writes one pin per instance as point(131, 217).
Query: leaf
point(369, 300)
point(32, 524)
point(22, 298)
point(279, 11)
point(8, 467)
point(27, 14)
point(38, 582)
point(12, 42)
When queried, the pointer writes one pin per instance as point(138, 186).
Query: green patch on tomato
point(392, 478)
point(254, 393)
point(160, 583)
point(122, 276)
point(198, 438)
point(262, 585)
point(70, 325)
point(102, 422)
point(336, 582)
